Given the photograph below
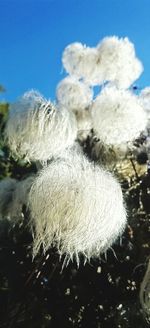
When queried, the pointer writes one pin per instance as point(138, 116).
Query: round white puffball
point(77, 207)
point(36, 130)
point(118, 61)
point(74, 95)
point(117, 116)
point(83, 62)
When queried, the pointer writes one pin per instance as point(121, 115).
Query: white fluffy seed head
point(7, 188)
point(117, 116)
point(83, 63)
point(73, 95)
point(76, 207)
point(118, 61)
point(36, 130)
point(112, 60)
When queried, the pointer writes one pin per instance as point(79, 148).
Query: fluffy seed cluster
point(112, 60)
point(36, 130)
point(117, 116)
point(76, 207)
point(73, 95)
point(83, 62)
point(119, 61)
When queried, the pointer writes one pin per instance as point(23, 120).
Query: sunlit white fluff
point(7, 188)
point(118, 61)
point(83, 62)
point(37, 130)
point(112, 60)
point(117, 116)
point(74, 95)
point(77, 207)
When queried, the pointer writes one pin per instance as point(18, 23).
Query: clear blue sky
point(33, 34)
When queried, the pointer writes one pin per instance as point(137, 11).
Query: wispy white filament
point(117, 116)
point(74, 95)
point(118, 61)
point(36, 130)
point(76, 207)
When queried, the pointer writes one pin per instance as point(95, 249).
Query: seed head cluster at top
point(76, 205)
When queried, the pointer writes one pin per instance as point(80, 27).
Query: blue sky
point(33, 34)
